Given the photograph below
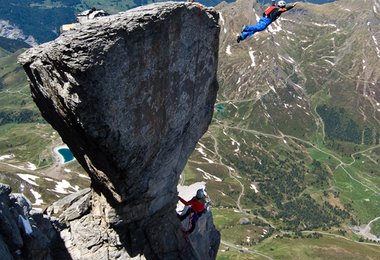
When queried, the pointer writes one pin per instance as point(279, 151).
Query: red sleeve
point(187, 203)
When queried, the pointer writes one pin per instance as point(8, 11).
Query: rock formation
point(131, 94)
point(24, 233)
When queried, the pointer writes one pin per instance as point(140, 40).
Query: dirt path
point(339, 236)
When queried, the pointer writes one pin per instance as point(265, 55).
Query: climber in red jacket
point(197, 207)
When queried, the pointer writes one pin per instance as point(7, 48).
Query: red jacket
point(197, 205)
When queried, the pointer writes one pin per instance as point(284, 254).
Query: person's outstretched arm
point(187, 203)
point(290, 6)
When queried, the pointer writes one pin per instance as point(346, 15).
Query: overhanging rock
point(131, 94)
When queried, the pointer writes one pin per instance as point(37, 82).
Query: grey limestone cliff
point(131, 94)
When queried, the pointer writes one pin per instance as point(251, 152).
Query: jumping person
point(197, 207)
point(269, 16)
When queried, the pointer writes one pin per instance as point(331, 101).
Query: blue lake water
point(66, 154)
point(219, 107)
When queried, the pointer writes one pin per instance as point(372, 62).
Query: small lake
point(219, 107)
point(66, 154)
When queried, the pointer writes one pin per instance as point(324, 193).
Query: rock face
point(24, 234)
point(131, 94)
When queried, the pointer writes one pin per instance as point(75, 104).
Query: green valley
point(291, 158)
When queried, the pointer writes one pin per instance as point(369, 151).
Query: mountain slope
point(27, 161)
point(295, 136)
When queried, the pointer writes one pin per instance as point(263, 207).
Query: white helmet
point(200, 194)
point(281, 3)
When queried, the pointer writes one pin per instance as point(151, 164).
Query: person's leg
point(252, 29)
point(182, 217)
point(194, 219)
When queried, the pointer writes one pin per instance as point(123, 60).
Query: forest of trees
point(22, 116)
point(338, 124)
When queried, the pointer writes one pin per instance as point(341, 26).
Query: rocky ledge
point(131, 94)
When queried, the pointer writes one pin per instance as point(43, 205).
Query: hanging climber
point(196, 209)
point(270, 15)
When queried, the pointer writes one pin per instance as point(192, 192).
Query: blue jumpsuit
point(250, 30)
point(264, 21)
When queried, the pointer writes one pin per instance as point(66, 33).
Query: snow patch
point(324, 25)
point(252, 58)
point(221, 18)
point(235, 106)
point(228, 50)
point(201, 145)
point(253, 187)
point(62, 186)
point(208, 160)
point(37, 196)
point(83, 176)
point(208, 176)
point(223, 194)
point(275, 27)
point(200, 150)
point(66, 170)
point(376, 43)
point(7, 156)
point(332, 63)
point(376, 6)
point(273, 89)
point(29, 178)
point(289, 59)
point(234, 141)
point(31, 166)
point(374, 39)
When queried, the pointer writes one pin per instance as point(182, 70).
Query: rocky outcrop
point(24, 233)
point(131, 94)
